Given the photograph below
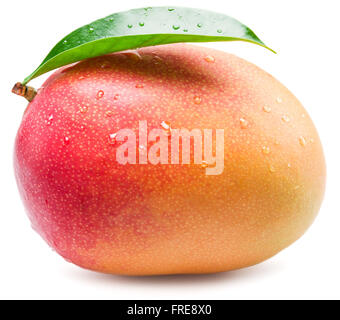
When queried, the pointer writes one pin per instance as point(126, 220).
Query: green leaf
point(142, 28)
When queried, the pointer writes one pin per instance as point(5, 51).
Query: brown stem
point(24, 91)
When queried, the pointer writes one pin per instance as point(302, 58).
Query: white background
point(306, 36)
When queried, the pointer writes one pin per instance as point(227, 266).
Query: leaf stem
point(24, 91)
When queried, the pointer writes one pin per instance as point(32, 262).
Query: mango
point(112, 204)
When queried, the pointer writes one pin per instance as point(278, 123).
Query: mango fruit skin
point(166, 219)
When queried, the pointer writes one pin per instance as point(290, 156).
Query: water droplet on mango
point(244, 123)
point(109, 113)
point(267, 109)
point(209, 59)
point(133, 54)
point(112, 138)
point(302, 141)
point(49, 120)
point(100, 94)
point(166, 126)
point(204, 164)
point(265, 150)
point(83, 109)
point(285, 118)
point(197, 100)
